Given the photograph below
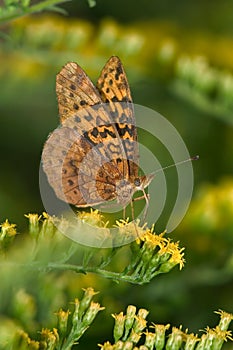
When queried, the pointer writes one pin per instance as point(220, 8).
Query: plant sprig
point(148, 254)
point(130, 329)
point(13, 9)
point(70, 326)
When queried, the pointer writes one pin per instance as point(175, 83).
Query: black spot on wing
point(95, 132)
point(88, 117)
point(77, 119)
point(83, 103)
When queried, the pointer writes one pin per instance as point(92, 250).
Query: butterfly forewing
point(81, 107)
point(114, 89)
point(74, 90)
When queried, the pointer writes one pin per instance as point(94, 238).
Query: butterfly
point(93, 157)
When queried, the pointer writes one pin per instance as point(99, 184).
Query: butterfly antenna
point(178, 163)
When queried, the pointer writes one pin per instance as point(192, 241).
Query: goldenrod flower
point(225, 319)
point(119, 325)
point(94, 218)
point(135, 335)
point(139, 324)
point(129, 318)
point(150, 339)
point(7, 234)
point(62, 317)
point(7, 229)
point(34, 219)
point(160, 331)
point(175, 339)
point(49, 337)
point(190, 341)
point(91, 313)
point(85, 301)
point(106, 346)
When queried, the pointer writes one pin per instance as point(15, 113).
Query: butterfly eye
point(137, 182)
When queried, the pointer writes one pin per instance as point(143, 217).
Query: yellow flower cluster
point(127, 335)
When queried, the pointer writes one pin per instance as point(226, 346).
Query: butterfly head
point(141, 182)
point(125, 189)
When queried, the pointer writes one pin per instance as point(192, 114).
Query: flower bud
point(34, 228)
point(119, 326)
point(160, 330)
point(62, 317)
point(91, 313)
point(175, 339)
point(86, 300)
point(129, 320)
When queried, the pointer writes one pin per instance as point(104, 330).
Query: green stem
point(116, 276)
point(46, 4)
point(105, 273)
point(74, 336)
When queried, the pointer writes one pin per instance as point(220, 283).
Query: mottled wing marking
point(75, 91)
point(78, 183)
point(113, 87)
point(81, 108)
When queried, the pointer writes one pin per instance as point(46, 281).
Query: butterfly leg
point(138, 198)
point(132, 210)
point(133, 217)
point(146, 197)
point(124, 213)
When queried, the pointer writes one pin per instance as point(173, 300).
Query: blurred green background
point(179, 61)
